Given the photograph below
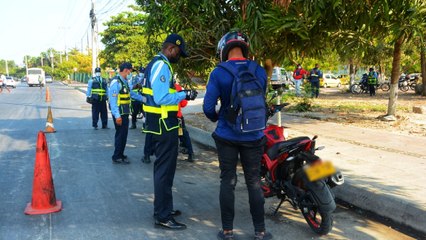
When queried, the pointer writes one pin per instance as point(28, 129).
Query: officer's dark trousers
point(120, 137)
point(250, 154)
point(148, 148)
point(185, 139)
point(372, 88)
point(315, 88)
point(99, 107)
point(136, 109)
point(166, 152)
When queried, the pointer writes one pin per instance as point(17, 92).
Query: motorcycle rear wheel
point(320, 222)
point(385, 87)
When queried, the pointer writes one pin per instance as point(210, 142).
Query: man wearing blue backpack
point(240, 84)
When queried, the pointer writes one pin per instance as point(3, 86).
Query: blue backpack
point(247, 110)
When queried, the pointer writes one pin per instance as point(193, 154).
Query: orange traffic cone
point(47, 95)
point(49, 122)
point(43, 199)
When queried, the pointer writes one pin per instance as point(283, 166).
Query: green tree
point(125, 39)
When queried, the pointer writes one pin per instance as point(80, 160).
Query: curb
point(399, 211)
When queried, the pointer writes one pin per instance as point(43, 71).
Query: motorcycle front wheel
point(356, 88)
point(319, 221)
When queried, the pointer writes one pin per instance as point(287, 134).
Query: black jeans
point(185, 139)
point(136, 109)
point(250, 154)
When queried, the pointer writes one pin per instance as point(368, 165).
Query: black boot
point(190, 157)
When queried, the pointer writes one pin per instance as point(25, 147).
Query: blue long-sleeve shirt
point(161, 76)
point(219, 86)
point(114, 90)
point(89, 87)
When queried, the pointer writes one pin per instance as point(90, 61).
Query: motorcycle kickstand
point(278, 207)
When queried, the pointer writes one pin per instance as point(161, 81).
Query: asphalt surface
point(102, 200)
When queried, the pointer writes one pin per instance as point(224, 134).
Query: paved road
point(106, 201)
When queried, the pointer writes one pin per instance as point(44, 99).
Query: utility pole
point(94, 38)
point(26, 65)
point(7, 69)
point(41, 59)
point(60, 57)
point(51, 56)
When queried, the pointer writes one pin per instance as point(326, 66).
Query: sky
point(29, 27)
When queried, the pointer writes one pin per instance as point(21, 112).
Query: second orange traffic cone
point(47, 95)
point(49, 122)
point(43, 199)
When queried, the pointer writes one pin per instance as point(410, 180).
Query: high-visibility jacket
point(158, 114)
point(123, 98)
point(98, 91)
point(372, 78)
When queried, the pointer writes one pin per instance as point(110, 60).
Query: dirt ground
point(336, 105)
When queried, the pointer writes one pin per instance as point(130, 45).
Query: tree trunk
point(268, 67)
point(396, 63)
point(351, 72)
point(382, 72)
point(423, 66)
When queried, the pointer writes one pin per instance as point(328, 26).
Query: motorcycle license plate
point(318, 171)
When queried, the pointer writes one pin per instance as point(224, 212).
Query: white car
point(49, 79)
point(9, 82)
point(329, 80)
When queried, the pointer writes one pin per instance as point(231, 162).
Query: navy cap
point(126, 65)
point(178, 41)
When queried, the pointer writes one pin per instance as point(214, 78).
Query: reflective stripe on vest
point(163, 109)
point(100, 92)
point(123, 99)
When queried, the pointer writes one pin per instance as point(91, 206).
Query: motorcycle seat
point(284, 146)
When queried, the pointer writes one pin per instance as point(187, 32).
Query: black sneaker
point(225, 236)
point(262, 236)
point(170, 224)
point(146, 159)
point(116, 161)
point(125, 161)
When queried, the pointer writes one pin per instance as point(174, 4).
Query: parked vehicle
point(403, 83)
point(36, 76)
point(9, 82)
point(329, 80)
point(292, 172)
point(279, 78)
point(49, 79)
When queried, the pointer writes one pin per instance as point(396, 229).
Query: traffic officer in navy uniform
point(136, 87)
point(161, 121)
point(119, 95)
point(97, 95)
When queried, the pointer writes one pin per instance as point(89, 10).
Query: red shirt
point(298, 73)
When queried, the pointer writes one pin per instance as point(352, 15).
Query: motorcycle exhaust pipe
point(336, 179)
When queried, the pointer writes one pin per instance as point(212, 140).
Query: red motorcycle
point(291, 171)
